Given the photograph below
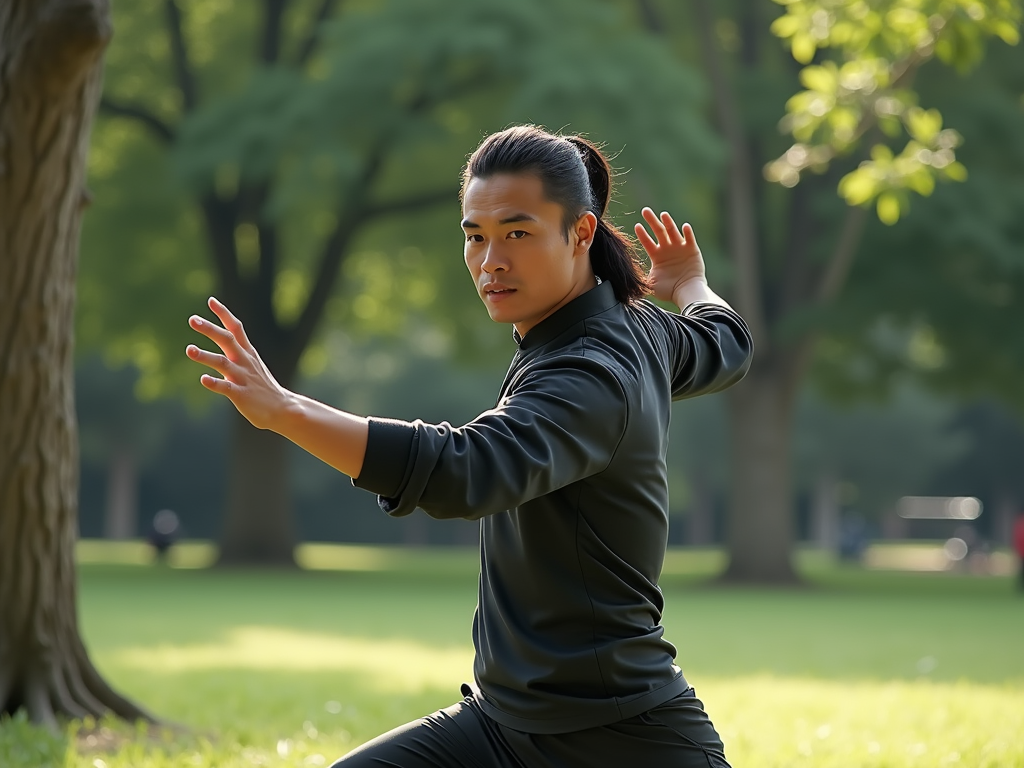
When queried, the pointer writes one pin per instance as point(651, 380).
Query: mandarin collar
point(593, 302)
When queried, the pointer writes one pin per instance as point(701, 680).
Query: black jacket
point(568, 474)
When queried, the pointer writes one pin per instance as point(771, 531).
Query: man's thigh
point(676, 734)
point(459, 736)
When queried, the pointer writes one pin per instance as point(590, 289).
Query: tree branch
point(650, 16)
point(144, 117)
point(327, 270)
point(742, 218)
point(270, 47)
point(311, 40)
point(411, 203)
point(794, 280)
point(179, 54)
point(350, 219)
point(221, 219)
point(835, 273)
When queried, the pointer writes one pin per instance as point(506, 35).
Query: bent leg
point(676, 734)
point(454, 737)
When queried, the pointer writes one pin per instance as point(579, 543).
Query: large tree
point(790, 239)
point(50, 79)
point(295, 131)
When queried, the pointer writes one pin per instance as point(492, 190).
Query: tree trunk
point(258, 522)
point(825, 512)
point(122, 513)
point(50, 76)
point(760, 530)
point(700, 517)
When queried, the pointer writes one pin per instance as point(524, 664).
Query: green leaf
point(881, 154)
point(888, 208)
point(820, 78)
point(921, 181)
point(923, 125)
point(786, 26)
point(956, 171)
point(804, 48)
point(858, 187)
point(1007, 31)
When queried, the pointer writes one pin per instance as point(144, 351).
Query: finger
point(688, 236)
point(222, 337)
point(219, 363)
point(645, 239)
point(674, 235)
point(657, 228)
point(231, 323)
point(220, 386)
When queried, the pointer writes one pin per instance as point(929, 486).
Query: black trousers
point(676, 734)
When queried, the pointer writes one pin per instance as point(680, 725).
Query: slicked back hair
point(576, 175)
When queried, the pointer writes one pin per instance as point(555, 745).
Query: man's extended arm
point(333, 436)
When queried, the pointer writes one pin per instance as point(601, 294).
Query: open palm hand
point(675, 256)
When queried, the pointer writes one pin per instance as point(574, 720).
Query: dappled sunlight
point(388, 665)
point(771, 721)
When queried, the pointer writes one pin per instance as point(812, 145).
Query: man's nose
point(494, 260)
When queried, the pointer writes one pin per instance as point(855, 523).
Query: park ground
point(861, 668)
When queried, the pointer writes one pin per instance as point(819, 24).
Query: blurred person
point(1018, 545)
point(566, 473)
point(163, 532)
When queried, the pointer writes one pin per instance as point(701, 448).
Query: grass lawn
point(864, 668)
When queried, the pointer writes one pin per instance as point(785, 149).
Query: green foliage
point(398, 94)
point(880, 46)
point(23, 745)
point(940, 298)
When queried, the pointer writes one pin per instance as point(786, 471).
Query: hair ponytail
point(613, 254)
point(576, 175)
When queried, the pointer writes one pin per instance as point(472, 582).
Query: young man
point(566, 473)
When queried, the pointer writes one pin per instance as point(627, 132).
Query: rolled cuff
point(389, 445)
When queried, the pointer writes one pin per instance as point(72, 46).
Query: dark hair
point(578, 177)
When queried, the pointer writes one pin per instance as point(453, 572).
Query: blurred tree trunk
point(760, 531)
point(50, 75)
point(700, 517)
point(122, 512)
point(826, 512)
point(258, 526)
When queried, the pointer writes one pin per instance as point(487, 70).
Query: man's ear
point(584, 231)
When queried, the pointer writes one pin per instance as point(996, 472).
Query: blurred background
point(301, 161)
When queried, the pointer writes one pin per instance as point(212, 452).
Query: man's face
point(516, 249)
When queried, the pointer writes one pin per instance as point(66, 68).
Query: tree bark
point(50, 76)
point(760, 526)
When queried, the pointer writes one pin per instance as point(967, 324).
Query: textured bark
point(50, 75)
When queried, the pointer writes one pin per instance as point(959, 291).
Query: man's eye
point(517, 234)
point(474, 238)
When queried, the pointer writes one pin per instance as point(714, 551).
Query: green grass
point(863, 668)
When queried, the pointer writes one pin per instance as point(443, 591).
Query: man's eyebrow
point(467, 224)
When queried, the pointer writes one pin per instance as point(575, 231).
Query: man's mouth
point(497, 292)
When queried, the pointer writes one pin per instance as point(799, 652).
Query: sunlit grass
point(873, 669)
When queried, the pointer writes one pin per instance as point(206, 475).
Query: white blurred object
point(955, 549)
point(939, 507)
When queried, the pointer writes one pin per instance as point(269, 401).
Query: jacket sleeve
point(561, 423)
point(710, 348)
